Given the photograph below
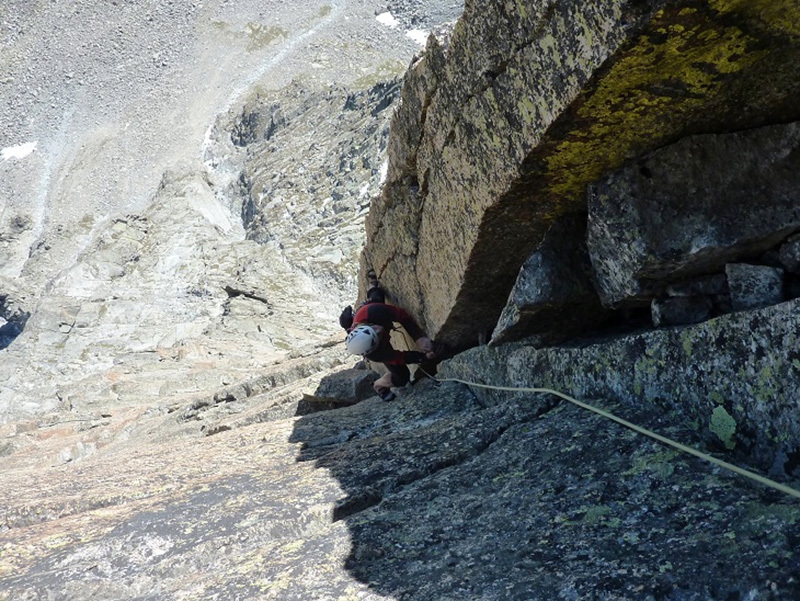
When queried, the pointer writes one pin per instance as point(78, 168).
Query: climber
point(368, 335)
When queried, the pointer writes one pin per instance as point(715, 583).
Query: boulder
point(754, 286)
point(536, 100)
point(314, 404)
point(692, 207)
point(349, 385)
point(680, 310)
point(789, 255)
point(553, 297)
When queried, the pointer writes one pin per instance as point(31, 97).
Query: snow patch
point(18, 152)
point(419, 36)
point(387, 19)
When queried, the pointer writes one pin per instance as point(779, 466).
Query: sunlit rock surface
point(151, 441)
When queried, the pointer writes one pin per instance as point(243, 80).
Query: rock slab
point(747, 363)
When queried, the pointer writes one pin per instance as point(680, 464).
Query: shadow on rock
point(529, 499)
point(13, 315)
point(8, 333)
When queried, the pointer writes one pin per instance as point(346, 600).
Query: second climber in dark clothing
point(368, 335)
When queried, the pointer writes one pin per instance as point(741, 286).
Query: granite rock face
point(153, 431)
point(152, 280)
point(237, 517)
point(529, 103)
point(165, 304)
point(754, 286)
point(314, 158)
point(438, 495)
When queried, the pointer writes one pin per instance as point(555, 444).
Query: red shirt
point(386, 315)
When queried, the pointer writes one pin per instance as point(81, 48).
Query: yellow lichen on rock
point(783, 17)
point(673, 71)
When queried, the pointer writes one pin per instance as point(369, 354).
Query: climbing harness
point(644, 431)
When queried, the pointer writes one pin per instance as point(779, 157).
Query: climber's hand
point(425, 345)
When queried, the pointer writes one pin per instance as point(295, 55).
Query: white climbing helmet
point(362, 340)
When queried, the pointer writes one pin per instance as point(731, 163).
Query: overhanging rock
point(533, 101)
